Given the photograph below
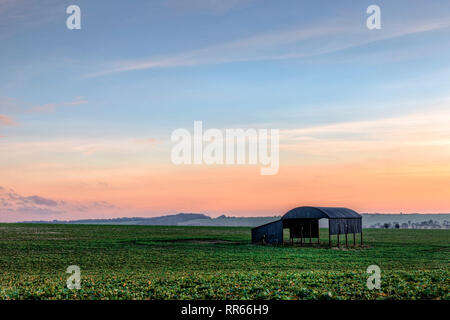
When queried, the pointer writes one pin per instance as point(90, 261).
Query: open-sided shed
point(303, 223)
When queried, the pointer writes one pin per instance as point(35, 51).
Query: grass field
point(147, 262)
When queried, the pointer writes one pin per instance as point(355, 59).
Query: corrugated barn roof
point(320, 212)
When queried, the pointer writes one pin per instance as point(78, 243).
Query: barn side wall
point(273, 233)
point(345, 225)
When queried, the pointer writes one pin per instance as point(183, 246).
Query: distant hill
point(167, 220)
point(372, 220)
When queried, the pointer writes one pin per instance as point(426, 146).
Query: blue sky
point(139, 70)
point(225, 61)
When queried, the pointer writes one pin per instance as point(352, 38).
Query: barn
point(303, 225)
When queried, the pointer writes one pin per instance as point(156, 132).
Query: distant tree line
point(429, 224)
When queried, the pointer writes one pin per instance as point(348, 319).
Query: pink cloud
point(17, 207)
point(6, 121)
point(50, 107)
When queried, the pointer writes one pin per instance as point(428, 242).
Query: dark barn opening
point(303, 225)
point(302, 229)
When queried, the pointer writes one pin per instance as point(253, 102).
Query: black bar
point(173, 309)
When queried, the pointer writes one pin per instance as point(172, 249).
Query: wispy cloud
point(95, 147)
point(12, 203)
point(286, 44)
point(15, 206)
point(437, 118)
point(418, 135)
point(25, 14)
point(50, 107)
point(240, 50)
point(6, 121)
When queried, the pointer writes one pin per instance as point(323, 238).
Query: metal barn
point(303, 224)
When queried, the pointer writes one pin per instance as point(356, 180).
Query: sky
point(86, 116)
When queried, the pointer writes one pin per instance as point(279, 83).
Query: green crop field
point(153, 262)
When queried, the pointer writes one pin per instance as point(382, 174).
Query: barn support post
point(354, 239)
point(346, 235)
point(310, 231)
point(339, 233)
point(329, 233)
